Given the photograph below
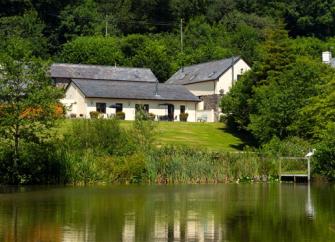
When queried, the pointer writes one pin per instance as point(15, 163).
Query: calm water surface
point(245, 212)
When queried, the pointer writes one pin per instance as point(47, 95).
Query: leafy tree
point(93, 50)
point(80, 20)
point(219, 8)
point(240, 102)
point(27, 100)
point(141, 51)
point(276, 53)
point(277, 104)
point(310, 17)
point(187, 9)
point(27, 26)
point(319, 113)
point(235, 105)
point(325, 153)
point(308, 46)
point(10, 8)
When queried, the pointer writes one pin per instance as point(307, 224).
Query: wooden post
point(279, 168)
point(309, 168)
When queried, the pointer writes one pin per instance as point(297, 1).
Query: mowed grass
point(203, 135)
point(212, 136)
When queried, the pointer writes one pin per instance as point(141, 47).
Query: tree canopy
point(28, 101)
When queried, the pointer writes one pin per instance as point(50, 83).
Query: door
point(171, 112)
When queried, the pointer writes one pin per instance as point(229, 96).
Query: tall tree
point(28, 101)
point(277, 105)
point(81, 20)
point(27, 26)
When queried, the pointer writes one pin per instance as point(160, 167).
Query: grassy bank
point(110, 151)
point(211, 136)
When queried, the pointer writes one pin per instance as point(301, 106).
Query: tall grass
point(184, 164)
point(100, 151)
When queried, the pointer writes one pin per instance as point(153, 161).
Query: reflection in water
point(309, 204)
point(128, 234)
point(203, 213)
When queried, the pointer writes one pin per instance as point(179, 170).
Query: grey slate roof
point(96, 72)
point(133, 90)
point(208, 71)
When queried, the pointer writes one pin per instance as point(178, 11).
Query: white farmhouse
point(108, 90)
point(209, 81)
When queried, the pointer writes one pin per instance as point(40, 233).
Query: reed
point(182, 164)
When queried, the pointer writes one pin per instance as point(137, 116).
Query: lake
point(224, 212)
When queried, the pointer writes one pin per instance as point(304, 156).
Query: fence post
point(309, 168)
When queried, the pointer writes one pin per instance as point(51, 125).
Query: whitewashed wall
point(206, 116)
point(225, 81)
point(74, 101)
point(154, 107)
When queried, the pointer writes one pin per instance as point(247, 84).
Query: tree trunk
point(16, 152)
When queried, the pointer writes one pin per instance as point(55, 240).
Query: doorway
point(171, 112)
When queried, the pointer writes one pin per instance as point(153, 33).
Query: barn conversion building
point(209, 81)
point(108, 90)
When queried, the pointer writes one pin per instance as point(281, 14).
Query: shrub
point(151, 116)
point(100, 135)
point(222, 118)
point(183, 117)
point(83, 167)
point(143, 134)
point(120, 116)
point(141, 114)
point(291, 146)
point(324, 158)
point(38, 164)
point(129, 169)
point(94, 115)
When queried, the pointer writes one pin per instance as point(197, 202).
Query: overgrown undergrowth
point(100, 151)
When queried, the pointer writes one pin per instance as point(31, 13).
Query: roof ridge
point(213, 61)
point(103, 66)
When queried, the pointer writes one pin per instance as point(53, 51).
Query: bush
point(38, 164)
point(292, 146)
point(101, 135)
point(83, 167)
point(183, 117)
point(144, 115)
point(129, 169)
point(324, 158)
point(94, 115)
point(151, 116)
point(120, 116)
point(222, 118)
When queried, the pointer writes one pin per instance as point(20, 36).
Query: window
point(146, 108)
point(101, 107)
point(239, 77)
point(182, 109)
point(118, 107)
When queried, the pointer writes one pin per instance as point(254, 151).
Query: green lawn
point(203, 135)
